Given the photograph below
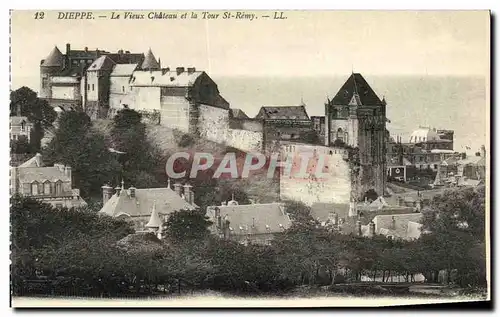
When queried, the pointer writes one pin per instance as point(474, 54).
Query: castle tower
point(357, 117)
point(150, 62)
point(49, 67)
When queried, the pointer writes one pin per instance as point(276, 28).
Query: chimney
point(118, 190)
point(39, 159)
point(159, 62)
point(86, 49)
point(132, 191)
point(371, 228)
point(107, 192)
point(178, 188)
point(68, 48)
point(191, 70)
point(353, 210)
point(188, 193)
point(483, 151)
point(120, 51)
point(67, 172)
point(179, 70)
point(358, 228)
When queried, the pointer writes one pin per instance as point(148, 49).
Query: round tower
point(49, 67)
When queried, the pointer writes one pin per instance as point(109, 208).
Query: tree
point(185, 225)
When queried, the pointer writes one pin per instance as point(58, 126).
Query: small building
point(20, 128)
point(49, 184)
point(255, 223)
point(146, 208)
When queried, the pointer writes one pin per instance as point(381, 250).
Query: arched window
point(46, 188)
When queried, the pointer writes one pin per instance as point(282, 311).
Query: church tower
point(357, 117)
point(49, 67)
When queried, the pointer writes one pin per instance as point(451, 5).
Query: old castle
point(101, 83)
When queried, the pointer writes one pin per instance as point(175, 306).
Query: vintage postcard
point(249, 158)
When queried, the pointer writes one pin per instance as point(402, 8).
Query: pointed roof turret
point(150, 61)
point(55, 58)
point(154, 220)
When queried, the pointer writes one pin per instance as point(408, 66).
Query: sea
point(443, 102)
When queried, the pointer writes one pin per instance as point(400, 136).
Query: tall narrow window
point(58, 188)
point(46, 188)
point(92, 87)
point(123, 88)
point(34, 189)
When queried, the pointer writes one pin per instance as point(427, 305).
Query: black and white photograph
point(238, 158)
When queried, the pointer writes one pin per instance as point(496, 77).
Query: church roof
point(154, 220)
point(283, 112)
point(165, 200)
point(55, 58)
point(356, 84)
point(150, 61)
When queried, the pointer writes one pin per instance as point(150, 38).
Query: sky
point(306, 43)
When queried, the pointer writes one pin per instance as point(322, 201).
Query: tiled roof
point(254, 219)
point(87, 54)
point(356, 84)
point(397, 224)
point(41, 174)
point(102, 63)
point(55, 58)
point(150, 61)
point(237, 113)
point(165, 200)
point(163, 78)
point(123, 69)
point(283, 112)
